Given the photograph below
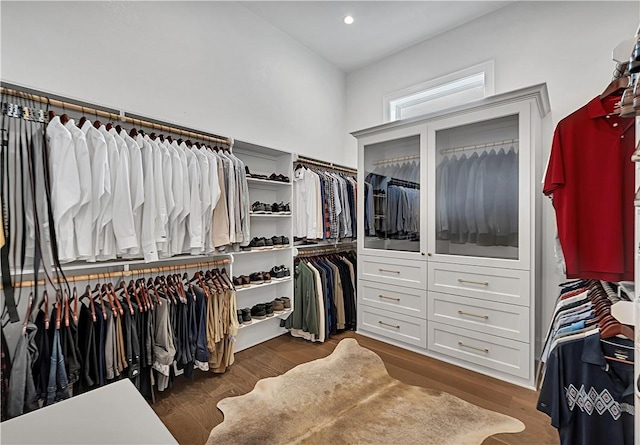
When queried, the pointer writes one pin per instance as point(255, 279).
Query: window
point(453, 89)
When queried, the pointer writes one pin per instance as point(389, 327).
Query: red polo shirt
point(591, 179)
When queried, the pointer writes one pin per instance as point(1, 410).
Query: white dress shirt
point(136, 186)
point(65, 187)
point(149, 214)
point(100, 185)
point(194, 223)
point(162, 216)
point(83, 219)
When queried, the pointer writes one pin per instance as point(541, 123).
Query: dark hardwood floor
point(189, 410)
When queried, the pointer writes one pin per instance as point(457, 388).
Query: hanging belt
point(10, 303)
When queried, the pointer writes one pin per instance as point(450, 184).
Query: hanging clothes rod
point(126, 273)
point(330, 165)
point(111, 114)
point(477, 146)
point(392, 160)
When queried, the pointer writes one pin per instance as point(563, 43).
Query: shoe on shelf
point(246, 171)
point(257, 207)
point(246, 316)
point(237, 282)
point(256, 278)
point(266, 276)
point(269, 309)
point(285, 241)
point(283, 178)
point(246, 281)
point(259, 312)
point(286, 301)
point(278, 306)
point(287, 209)
point(239, 313)
point(256, 244)
point(268, 243)
point(286, 271)
point(277, 241)
point(277, 273)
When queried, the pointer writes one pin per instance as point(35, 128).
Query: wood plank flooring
point(189, 408)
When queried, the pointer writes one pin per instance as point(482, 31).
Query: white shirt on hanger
point(100, 185)
point(162, 215)
point(186, 198)
point(83, 221)
point(65, 187)
point(175, 244)
point(205, 198)
point(194, 222)
point(123, 222)
point(149, 214)
point(136, 186)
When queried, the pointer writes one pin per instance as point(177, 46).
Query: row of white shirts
point(113, 195)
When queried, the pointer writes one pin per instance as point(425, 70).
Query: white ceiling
point(381, 28)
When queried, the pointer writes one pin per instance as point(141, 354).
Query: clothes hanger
point(87, 293)
point(65, 298)
point(45, 301)
point(75, 305)
point(123, 286)
point(150, 282)
point(100, 296)
point(58, 306)
point(616, 86)
point(115, 298)
point(27, 316)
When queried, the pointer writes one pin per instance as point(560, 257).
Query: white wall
point(565, 44)
point(214, 66)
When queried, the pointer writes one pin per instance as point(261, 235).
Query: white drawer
point(399, 327)
point(403, 300)
point(488, 283)
point(409, 273)
point(503, 320)
point(499, 354)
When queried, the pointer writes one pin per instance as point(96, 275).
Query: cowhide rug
point(348, 398)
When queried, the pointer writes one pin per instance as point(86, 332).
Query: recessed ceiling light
point(348, 19)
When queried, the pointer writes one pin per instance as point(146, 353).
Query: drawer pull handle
point(390, 271)
point(485, 350)
point(390, 325)
point(486, 317)
point(479, 283)
point(389, 298)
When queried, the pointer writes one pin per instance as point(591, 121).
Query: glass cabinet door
point(477, 189)
point(392, 194)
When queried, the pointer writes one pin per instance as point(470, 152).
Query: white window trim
point(489, 84)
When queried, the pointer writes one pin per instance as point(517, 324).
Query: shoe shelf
point(270, 215)
point(275, 249)
point(260, 286)
point(269, 182)
point(255, 321)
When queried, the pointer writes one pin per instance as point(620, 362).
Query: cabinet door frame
point(526, 164)
point(413, 130)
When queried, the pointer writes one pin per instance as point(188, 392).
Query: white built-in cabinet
point(449, 233)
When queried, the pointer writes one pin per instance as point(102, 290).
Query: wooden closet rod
point(126, 273)
point(303, 160)
point(109, 115)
